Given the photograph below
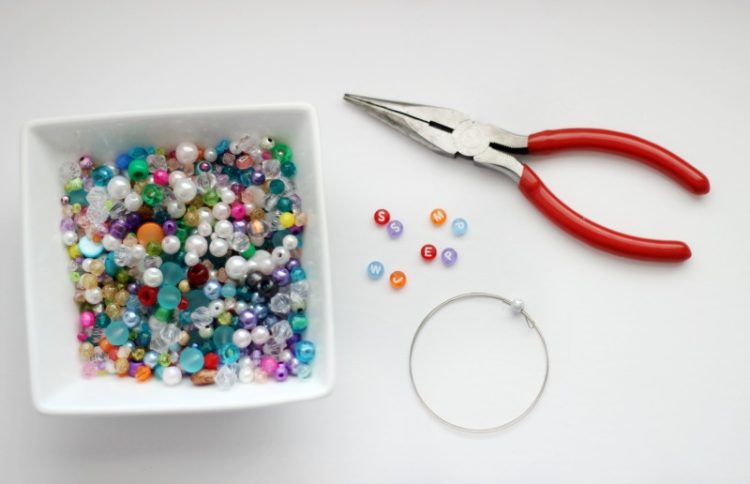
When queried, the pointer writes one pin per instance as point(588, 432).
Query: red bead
point(147, 295)
point(428, 252)
point(184, 303)
point(197, 275)
point(382, 216)
point(210, 361)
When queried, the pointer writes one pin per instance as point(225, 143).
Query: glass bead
point(117, 333)
point(280, 304)
point(153, 195)
point(281, 331)
point(169, 297)
point(301, 288)
point(200, 317)
point(288, 169)
point(69, 170)
point(191, 360)
point(226, 377)
point(303, 371)
point(229, 353)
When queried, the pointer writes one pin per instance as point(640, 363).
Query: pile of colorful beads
point(186, 263)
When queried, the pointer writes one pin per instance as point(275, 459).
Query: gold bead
point(183, 286)
point(122, 296)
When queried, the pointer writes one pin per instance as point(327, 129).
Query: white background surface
point(650, 378)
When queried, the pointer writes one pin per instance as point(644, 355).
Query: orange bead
point(438, 216)
point(143, 373)
point(150, 232)
point(398, 280)
point(104, 345)
point(112, 353)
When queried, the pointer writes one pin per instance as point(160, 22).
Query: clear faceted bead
point(201, 317)
point(301, 288)
point(226, 377)
point(239, 242)
point(69, 170)
point(280, 304)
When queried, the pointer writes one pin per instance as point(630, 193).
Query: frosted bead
point(186, 153)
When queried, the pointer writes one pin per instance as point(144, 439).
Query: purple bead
point(395, 229)
point(296, 229)
point(280, 276)
point(67, 224)
point(118, 229)
point(204, 166)
point(292, 264)
point(248, 319)
point(255, 356)
point(449, 257)
point(169, 227)
point(133, 368)
point(132, 288)
point(281, 373)
point(133, 220)
point(240, 226)
point(86, 162)
point(258, 178)
point(236, 188)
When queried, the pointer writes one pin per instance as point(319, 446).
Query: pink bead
point(238, 211)
point(161, 177)
point(82, 336)
point(268, 364)
point(87, 319)
point(266, 155)
point(89, 369)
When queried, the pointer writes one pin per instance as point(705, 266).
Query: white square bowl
point(51, 315)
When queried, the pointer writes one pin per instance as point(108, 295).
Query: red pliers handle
point(589, 231)
point(453, 133)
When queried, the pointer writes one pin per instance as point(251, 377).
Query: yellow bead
point(137, 354)
point(113, 311)
point(286, 219)
point(191, 218)
point(88, 281)
point(183, 286)
point(224, 318)
point(108, 292)
point(73, 251)
point(121, 297)
point(76, 207)
point(86, 351)
point(122, 366)
point(97, 267)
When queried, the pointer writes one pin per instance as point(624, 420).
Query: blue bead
point(122, 162)
point(158, 371)
point(260, 311)
point(304, 351)
point(169, 297)
point(89, 248)
point(173, 273)
point(136, 152)
point(459, 227)
point(150, 359)
point(212, 289)
point(375, 270)
point(110, 267)
point(222, 146)
point(229, 353)
point(228, 290)
point(191, 360)
point(246, 177)
point(117, 333)
point(102, 175)
point(131, 318)
point(298, 274)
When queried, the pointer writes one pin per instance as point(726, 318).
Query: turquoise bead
point(169, 297)
point(110, 267)
point(117, 333)
point(173, 273)
point(298, 322)
point(284, 204)
point(298, 274)
point(229, 353)
point(102, 175)
point(89, 248)
point(223, 335)
point(79, 197)
point(276, 187)
point(191, 360)
point(304, 351)
point(228, 290)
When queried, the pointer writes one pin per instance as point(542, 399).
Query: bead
point(197, 245)
point(218, 247)
point(138, 170)
point(133, 201)
point(459, 227)
point(395, 229)
point(89, 248)
point(117, 333)
point(517, 306)
point(428, 252)
point(375, 270)
point(171, 376)
point(191, 360)
point(381, 216)
point(169, 297)
point(286, 219)
point(304, 351)
point(186, 153)
point(236, 267)
point(449, 257)
point(438, 216)
point(118, 187)
point(153, 277)
point(245, 374)
point(150, 232)
point(260, 335)
point(268, 364)
point(298, 322)
point(398, 279)
point(242, 338)
point(185, 190)
point(69, 237)
point(226, 377)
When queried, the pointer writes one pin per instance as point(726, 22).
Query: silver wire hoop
point(531, 324)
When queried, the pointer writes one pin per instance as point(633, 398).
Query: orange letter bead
point(398, 280)
point(438, 216)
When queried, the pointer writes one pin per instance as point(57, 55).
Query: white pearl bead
point(245, 361)
point(186, 153)
point(516, 305)
point(197, 245)
point(118, 187)
point(240, 306)
point(267, 143)
point(205, 215)
point(205, 332)
point(224, 229)
point(110, 242)
point(171, 376)
point(266, 266)
point(234, 148)
point(185, 190)
point(93, 296)
point(280, 256)
point(252, 266)
point(176, 209)
point(205, 229)
point(242, 338)
point(221, 211)
point(290, 242)
point(246, 374)
point(133, 201)
point(176, 176)
point(191, 259)
point(216, 307)
point(170, 244)
point(219, 247)
point(138, 252)
point(69, 237)
point(152, 277)
point(227, 195)
point(260, 335)
point(286, 356)
point(86, 265)
point(236, 267)
point(210, 155)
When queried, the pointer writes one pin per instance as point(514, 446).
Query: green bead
point(288, 169)
point(284, 204)
point(182, 233)
point(211, 198)
point(282, 152)
point(75, 276)
point(298, 322)
point(73, 185)
point(152, 194)
point(138, 170)
point(102, 320)
point(122, 276)
point(153, 249)
point(79, 197)
point(249, 252)
point(224, 318)
point(162, 313)
point(277, 187)
point(164, 359)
